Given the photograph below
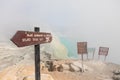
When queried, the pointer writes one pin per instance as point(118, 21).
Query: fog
point(94, 21)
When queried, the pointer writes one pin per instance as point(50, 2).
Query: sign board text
point(82, 47)
point(26, 38)
point(103, 51)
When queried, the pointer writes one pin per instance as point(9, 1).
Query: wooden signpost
point(82, 49)
point(27, 38)
point(103, 51)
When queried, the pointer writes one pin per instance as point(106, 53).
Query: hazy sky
point(94, 21)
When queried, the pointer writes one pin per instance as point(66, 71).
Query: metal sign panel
point(26, 38)
point(103, 51)
point(82, 47)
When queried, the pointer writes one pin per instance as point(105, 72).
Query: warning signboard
point(26, 38)
point(82, 47)
point(103, 51)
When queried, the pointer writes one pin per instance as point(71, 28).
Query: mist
point(97, 22)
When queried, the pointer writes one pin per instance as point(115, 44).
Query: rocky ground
point(18, 64)
point(93, 70)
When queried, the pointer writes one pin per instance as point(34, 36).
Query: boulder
point(116, 75)
point(80, 67)
point(74, 68)
point(116, 72)
point(60, 68)
point(65, 66)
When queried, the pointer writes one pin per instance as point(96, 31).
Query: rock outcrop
point(116, 75)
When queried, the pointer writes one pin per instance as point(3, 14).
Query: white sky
point(94, 21)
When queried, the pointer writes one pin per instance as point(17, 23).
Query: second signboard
point(82, 47)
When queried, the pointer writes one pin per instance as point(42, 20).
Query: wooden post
point(82, 62)
point(93, 54)
point(87, 56)
point(98, 57)
point(37, 58)
point(105, 58)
